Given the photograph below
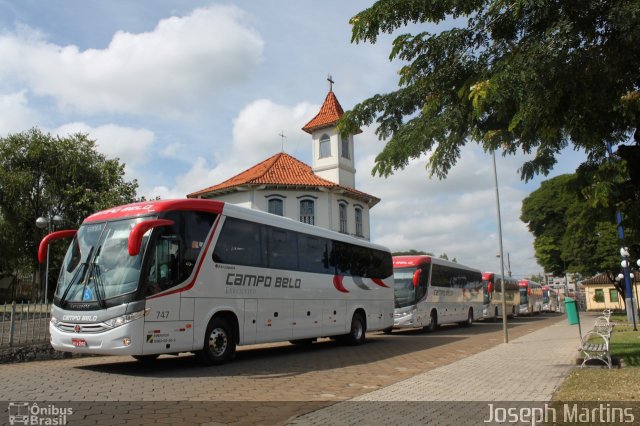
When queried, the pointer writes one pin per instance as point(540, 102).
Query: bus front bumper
point(124, 340)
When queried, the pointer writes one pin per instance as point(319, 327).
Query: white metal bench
point(603, 326)
point(595, 345)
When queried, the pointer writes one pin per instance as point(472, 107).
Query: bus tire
point(219, 344)
point(495, 316)
point(469, 320)
point(358, 331)
point(433, 322)
point(146, 358)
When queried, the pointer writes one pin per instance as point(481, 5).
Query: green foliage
point(411, 252)
point(519, 76)
point(43, 175)
point(572, 232)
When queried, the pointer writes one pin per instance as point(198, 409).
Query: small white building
point(322, 194)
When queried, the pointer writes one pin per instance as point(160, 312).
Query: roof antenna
point(330, 80)
point(283, 138)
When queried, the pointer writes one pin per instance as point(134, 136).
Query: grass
point(602, 384)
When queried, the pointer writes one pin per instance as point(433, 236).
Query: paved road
point(266, 384)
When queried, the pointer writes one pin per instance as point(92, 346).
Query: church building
point(322, 194)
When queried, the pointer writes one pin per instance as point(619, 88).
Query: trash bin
point(572, 311)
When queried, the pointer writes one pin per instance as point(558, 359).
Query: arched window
point(276, 206)
point(345, 147)
point(307, 212)
point(325, 146)
point(342, 211)
point(359, 222)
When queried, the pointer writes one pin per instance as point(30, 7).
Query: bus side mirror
point(42, 249)
point(416, 278)
point(138, 231)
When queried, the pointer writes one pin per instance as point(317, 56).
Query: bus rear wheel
point(469, 320)
point(219, 345)
point(357, 333)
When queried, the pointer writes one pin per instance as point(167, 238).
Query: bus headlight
point(123, 319)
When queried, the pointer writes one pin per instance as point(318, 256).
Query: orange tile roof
point(280, 170)
point(329, 114)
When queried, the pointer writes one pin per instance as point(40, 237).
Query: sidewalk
point(526, 370)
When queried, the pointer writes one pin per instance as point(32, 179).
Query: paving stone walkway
point(526, 371)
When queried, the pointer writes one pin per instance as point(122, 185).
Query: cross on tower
point(283, 138)
point(330, 80)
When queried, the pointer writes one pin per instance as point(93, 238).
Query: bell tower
point(332, 155)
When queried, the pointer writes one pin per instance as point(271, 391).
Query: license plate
point(79, 343)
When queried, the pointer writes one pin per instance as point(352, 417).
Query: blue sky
point(189, 93)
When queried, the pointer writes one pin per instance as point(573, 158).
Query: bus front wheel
point(219, 345)
point(433, 322)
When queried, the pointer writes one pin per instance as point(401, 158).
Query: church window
point(359, 222)
point(276, 206)
point(325, 146)
point(342, 211)
point(345, 147)
point(307, 212)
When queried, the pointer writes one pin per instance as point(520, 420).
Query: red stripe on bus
point(379, 282)
point(337, 283)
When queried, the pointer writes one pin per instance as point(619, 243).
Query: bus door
point(164, 328)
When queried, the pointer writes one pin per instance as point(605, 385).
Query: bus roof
point(526, 283)
point(213, 206)
point(150, 207)
point(409, 261)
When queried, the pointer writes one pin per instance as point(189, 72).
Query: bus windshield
point(404, 290)
point(97, 265)
point(485, 291)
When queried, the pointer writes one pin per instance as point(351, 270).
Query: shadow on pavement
point(284, 359)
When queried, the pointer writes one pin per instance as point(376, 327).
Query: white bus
point(530, 297)
point(431, 291)
point(492, 295)
point(203, 276)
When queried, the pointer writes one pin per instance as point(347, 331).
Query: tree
point(411, 252)
point(534, 76)
point(43, 175)
point(571, 232)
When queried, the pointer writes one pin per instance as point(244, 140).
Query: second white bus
point(431, 291)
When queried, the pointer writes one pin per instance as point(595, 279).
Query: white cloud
point(16, 114)
point(179, 64)
point(256, 137)
point(257, 128)
point(456, 215)
point(131, 146)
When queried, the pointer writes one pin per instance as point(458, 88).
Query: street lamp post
point(628, 293)
point(503, 285)
point(49, 223)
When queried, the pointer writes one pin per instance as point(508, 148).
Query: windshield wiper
point(99, 284)
point(81, 270)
